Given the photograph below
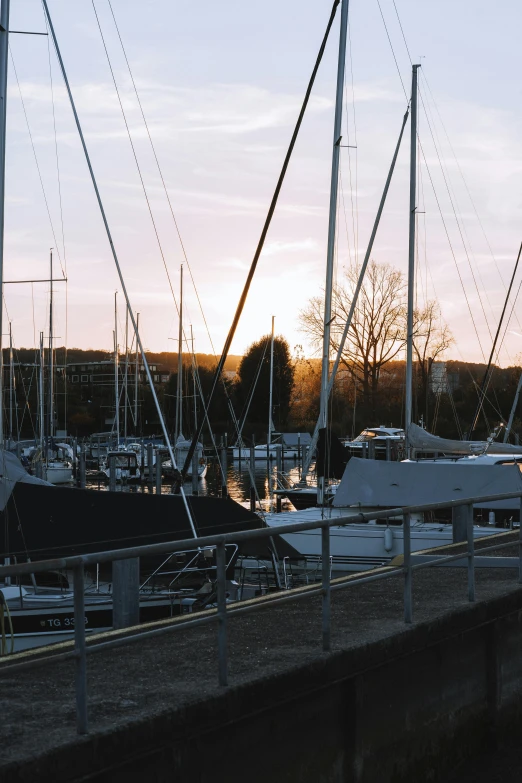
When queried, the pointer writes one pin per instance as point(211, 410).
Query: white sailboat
point(361, 546)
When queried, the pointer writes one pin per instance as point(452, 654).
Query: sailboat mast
point(41, 389)
point(194, 379)
point(334, 183)
point(116, 386)
point(126, 384)
point(136, 375)
point(411, 258)
point(271, 387)
point(179, 391)
point(51, 355)
point(11, 383)
point(4, 50)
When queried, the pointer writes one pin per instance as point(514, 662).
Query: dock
point(389, 702)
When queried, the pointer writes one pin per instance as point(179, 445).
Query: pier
point(389, 702)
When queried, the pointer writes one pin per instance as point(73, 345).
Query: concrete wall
point(408, 708)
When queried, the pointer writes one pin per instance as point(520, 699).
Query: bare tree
point(378, 329)
point(432, 337)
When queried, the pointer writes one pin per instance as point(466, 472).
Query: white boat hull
point(55, 474)
point(357, 547)
point(260, 452)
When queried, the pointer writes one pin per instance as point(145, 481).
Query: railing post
point(325, 562)
point(471, 552)
point(80, 651)
point(408, 612)
point(520, 544)
point(222, 613)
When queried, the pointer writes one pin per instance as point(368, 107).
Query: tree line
point(369, 390)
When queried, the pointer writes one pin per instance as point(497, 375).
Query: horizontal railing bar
point(461, 555)
point(235, 537)
point(303, 592)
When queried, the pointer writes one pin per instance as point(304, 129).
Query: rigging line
point(393, 52)
point(475, 210)
point(451, 249)
point(36, 161)
point(160, 172)
point(56, 153)
point(136, 158)
point(483, 385)
point(349, 167)
point(402, 31)
point(264, 231)
point(344, 213)
point(464, 230)
point(448, 189)
point(61, 218)
point(356, 239)
point(227, 395)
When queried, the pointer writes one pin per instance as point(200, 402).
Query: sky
point(221, 85)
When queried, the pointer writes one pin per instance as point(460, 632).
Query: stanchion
point(325, 567)
point(222, 613)
point(471, 552)
point(408, 612)
point(80, 652)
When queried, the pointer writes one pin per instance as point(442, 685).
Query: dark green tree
point(257, 359)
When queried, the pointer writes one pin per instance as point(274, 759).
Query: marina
point(271, 528)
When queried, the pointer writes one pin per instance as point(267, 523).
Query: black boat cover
point(42, 521)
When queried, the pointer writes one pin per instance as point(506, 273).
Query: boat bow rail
point(221, 613)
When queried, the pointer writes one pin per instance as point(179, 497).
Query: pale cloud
point(278, 247)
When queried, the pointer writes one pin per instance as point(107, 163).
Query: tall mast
point(271, 386)
point(41, 390)
point(116, 385)
point(126, 372)
point(51, 355)
point(334, 182)
point(194, 379)
point(136, 375)
point(179, 391)
point(411, 258)
point(11, 383)
point(4, 50)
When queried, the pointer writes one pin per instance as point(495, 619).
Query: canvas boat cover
point(425, 441)
point(12, 472)
point(377, 483)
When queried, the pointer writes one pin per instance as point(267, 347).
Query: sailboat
point(38, 520)
point(368, 484)
point(55, 459)
point(181, 445)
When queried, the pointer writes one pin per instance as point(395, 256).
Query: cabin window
point(156, 379)
point(75, 379)
point(85, 379)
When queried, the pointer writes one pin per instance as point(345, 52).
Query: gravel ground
point(147, 678)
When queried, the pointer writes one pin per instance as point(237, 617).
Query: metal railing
point(77, 563)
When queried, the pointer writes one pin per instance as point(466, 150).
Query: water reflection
point(239, 481)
